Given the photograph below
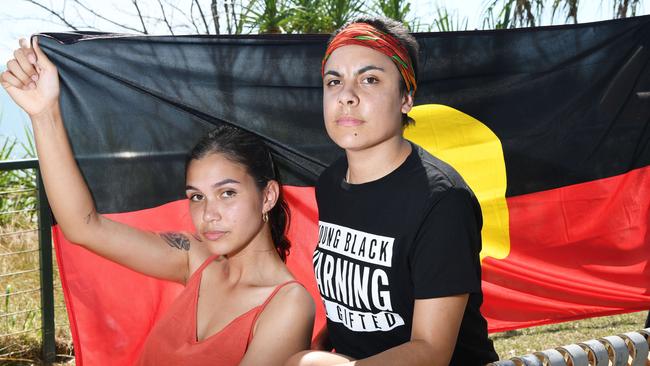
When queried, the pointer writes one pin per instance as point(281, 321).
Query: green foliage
point(569, 6)
point(342, 11)
point(268, 16)
point(301, 16)
point(528, 340)
point(625, 8)
point(325, 16)
point(17, 187)
point(239, 21)
point(493, 19)
point(502, 14)
point(309, 16)
point(446, 22)
point(394, 9)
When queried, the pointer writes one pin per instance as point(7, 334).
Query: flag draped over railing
point(550, 127)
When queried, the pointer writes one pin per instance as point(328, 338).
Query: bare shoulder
point(291, 311)
point(295, 292)
point(292, 299)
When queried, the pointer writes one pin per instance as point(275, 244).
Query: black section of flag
point(570, 104)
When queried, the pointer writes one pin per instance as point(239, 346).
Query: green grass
point(20, 316)
point(20, 302)
point(523, 341)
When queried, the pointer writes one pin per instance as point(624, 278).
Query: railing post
point(47, 278)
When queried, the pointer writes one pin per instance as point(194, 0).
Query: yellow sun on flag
point(476, 153)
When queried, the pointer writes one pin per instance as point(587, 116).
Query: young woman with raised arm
point(241, 305)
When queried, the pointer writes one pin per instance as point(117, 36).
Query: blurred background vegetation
point(310, 16)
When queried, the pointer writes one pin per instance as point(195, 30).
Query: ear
point(270, 195)
point(407, 102)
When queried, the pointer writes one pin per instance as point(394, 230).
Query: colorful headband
point(366, 35)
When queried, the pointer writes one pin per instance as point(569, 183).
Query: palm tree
point(341, 11)
point(447, 22)
point(268, 16)
point(309, 16)
point(499, 14)
point(394, 9)
point(624, 7)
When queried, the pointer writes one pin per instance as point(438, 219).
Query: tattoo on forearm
point(176, 240)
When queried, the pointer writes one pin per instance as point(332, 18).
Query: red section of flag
point(575, 252)
point(112, 309)
point(303, 233)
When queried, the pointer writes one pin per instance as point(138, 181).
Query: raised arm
point(32, 82)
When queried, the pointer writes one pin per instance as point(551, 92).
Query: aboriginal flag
point(549, 126)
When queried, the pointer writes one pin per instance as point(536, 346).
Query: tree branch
point(234, 17)
point(61, 17)
point(164, 18)
point(215, 15)
point(225, 8)
point(205, 22)
point(137, 8)
point(196, 28)
point(78, 2)
point(189, 18)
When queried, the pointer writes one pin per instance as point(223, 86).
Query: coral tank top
point(172, 341)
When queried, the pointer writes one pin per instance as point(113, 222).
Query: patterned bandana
point(366, 35)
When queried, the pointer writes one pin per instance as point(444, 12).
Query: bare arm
point(284, 328)
point(436, 323)
point(322, 340)
point(32, 81)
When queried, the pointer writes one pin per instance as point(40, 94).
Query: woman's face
point(225, 203)
point(362, 98)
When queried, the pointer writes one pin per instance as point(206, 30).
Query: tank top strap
point(263, 306)
point(202, 267)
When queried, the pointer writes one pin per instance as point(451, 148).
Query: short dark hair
point(398, 31)
point(253, 154)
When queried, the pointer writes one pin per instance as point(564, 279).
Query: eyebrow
point(333, 73)
point(215, 185)
point(368, 68)
point(358, 72)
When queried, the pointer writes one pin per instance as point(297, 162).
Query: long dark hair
point(251, 152)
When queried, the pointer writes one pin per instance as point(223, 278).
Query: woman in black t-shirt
point(397, 261)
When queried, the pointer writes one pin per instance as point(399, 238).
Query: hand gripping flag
point(550, 127)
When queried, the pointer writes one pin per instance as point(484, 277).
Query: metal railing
point(21, 222)
point(630, 348)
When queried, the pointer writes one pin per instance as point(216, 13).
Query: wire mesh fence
point(21, 288)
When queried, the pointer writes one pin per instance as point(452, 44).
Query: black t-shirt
point(413, 234)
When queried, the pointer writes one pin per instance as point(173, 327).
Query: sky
point(19, 18)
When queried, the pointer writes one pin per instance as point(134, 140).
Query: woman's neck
point(376, 162)
point(257, 264)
